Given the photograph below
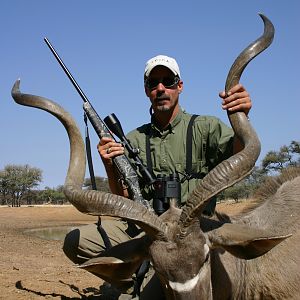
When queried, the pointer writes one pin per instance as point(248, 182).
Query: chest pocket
point(193, 165)
point(198, 168)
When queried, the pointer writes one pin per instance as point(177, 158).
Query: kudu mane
point(268, 188)
point(271, 185)
point(277, 205)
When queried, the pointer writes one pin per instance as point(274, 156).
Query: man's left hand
point(237, 99)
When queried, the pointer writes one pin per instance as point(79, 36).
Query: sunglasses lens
point(166, 81)
point(152, 83)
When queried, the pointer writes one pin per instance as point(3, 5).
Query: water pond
point(51, 233)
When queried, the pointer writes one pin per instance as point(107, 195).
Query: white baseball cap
point(161, 60)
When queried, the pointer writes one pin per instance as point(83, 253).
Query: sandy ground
point(36, 268)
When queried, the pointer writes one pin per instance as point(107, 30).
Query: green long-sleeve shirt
point(212, 143)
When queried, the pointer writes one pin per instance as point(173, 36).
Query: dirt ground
point(36, 268)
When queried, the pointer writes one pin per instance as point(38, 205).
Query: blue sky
point(105, 45)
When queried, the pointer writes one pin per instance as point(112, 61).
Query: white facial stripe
point(117, 261)
point(184, 287)
point(206, 249)
point(190, 284)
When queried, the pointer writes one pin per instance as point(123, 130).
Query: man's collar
point(170, 126)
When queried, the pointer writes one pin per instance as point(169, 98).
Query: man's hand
point(108, 149)
point(237, 99)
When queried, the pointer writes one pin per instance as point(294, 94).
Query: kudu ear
point(119, 262)
point(243, 241)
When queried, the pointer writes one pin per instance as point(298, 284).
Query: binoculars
point(165, 188)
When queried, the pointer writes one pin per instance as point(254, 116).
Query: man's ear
point(147, 92)
point(180, 86)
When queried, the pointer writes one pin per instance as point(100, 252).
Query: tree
point(295, 147)
point(17, 180)
point(101, 184)
point(273, 163)
point(31, 197)
point(237, 191)
point(4, 187)
point(276, 161)
point(52, 195)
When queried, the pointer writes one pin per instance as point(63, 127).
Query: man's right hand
point(108, 149)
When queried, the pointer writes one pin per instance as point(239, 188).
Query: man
point(162, 147)
point(213, 141)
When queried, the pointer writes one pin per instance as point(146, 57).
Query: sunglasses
point(168, 82)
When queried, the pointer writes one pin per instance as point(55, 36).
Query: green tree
point(272, 164)
point(101, 184)
point(52, 195)
point(254, 180)
point(295, 147)
point(239, 191)
point(31, 197)
point(276, 161)
point(17, 180)
point(4, 187)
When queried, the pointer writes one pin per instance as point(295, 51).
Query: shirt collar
point(170, 128)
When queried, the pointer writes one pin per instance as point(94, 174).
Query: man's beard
point(163, 108)
point(160, 106)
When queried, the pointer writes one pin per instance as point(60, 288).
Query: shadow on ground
point(105, 292)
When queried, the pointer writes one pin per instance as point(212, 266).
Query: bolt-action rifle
point(124, 167)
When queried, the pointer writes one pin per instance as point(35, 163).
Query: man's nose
point(160, 87)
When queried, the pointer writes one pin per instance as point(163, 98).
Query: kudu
point(197, 257)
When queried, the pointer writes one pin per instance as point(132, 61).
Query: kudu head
point(174, 242)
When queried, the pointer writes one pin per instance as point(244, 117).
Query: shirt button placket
point(163, 154)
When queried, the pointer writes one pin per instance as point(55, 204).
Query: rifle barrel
point(77, 87)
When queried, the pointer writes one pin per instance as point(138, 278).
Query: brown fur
point(274, 275)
